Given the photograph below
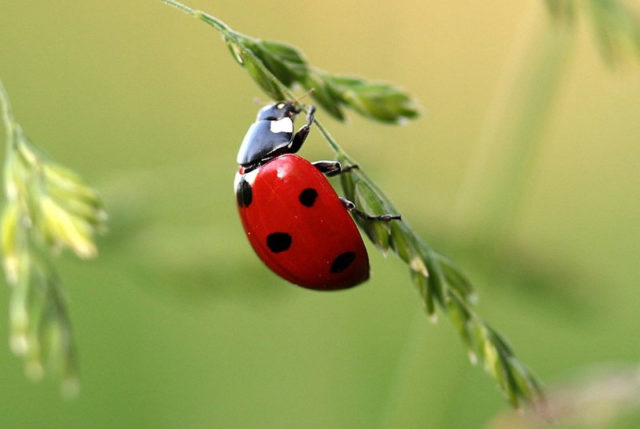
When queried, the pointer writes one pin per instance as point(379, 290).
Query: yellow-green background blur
point(179, 325)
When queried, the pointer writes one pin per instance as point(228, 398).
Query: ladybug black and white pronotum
point(293, 218)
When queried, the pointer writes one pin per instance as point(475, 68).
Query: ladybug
point(291, 215)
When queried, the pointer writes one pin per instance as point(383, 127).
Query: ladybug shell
point(299, 227)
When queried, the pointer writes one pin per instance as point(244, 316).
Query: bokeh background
point(524, 168)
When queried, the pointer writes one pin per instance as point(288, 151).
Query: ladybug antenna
point(305, 94)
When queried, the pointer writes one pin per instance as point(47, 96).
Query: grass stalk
point(496, 182)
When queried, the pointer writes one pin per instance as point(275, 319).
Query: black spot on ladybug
point(342, 262)
point(308, 197)
point(244, 194)
point(278, 241)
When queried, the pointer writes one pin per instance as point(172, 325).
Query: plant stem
point(524, 141)
point(210, 19)
point(7, 114)
point(534, 79)
point(330, 140)
point(472, 182)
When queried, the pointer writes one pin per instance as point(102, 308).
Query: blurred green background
point(177, 322)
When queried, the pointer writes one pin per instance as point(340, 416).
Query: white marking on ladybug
point(284, 125)
point(236, 181)
point(250, 177)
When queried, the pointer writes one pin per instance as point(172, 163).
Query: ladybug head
point(277, 111)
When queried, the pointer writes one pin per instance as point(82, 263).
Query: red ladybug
point(293, 218)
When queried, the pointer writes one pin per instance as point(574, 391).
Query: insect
point(291, 215)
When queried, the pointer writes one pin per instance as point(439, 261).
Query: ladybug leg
point(303, 132)
point(333, 168)
point(382, 218)
point(348, 168)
